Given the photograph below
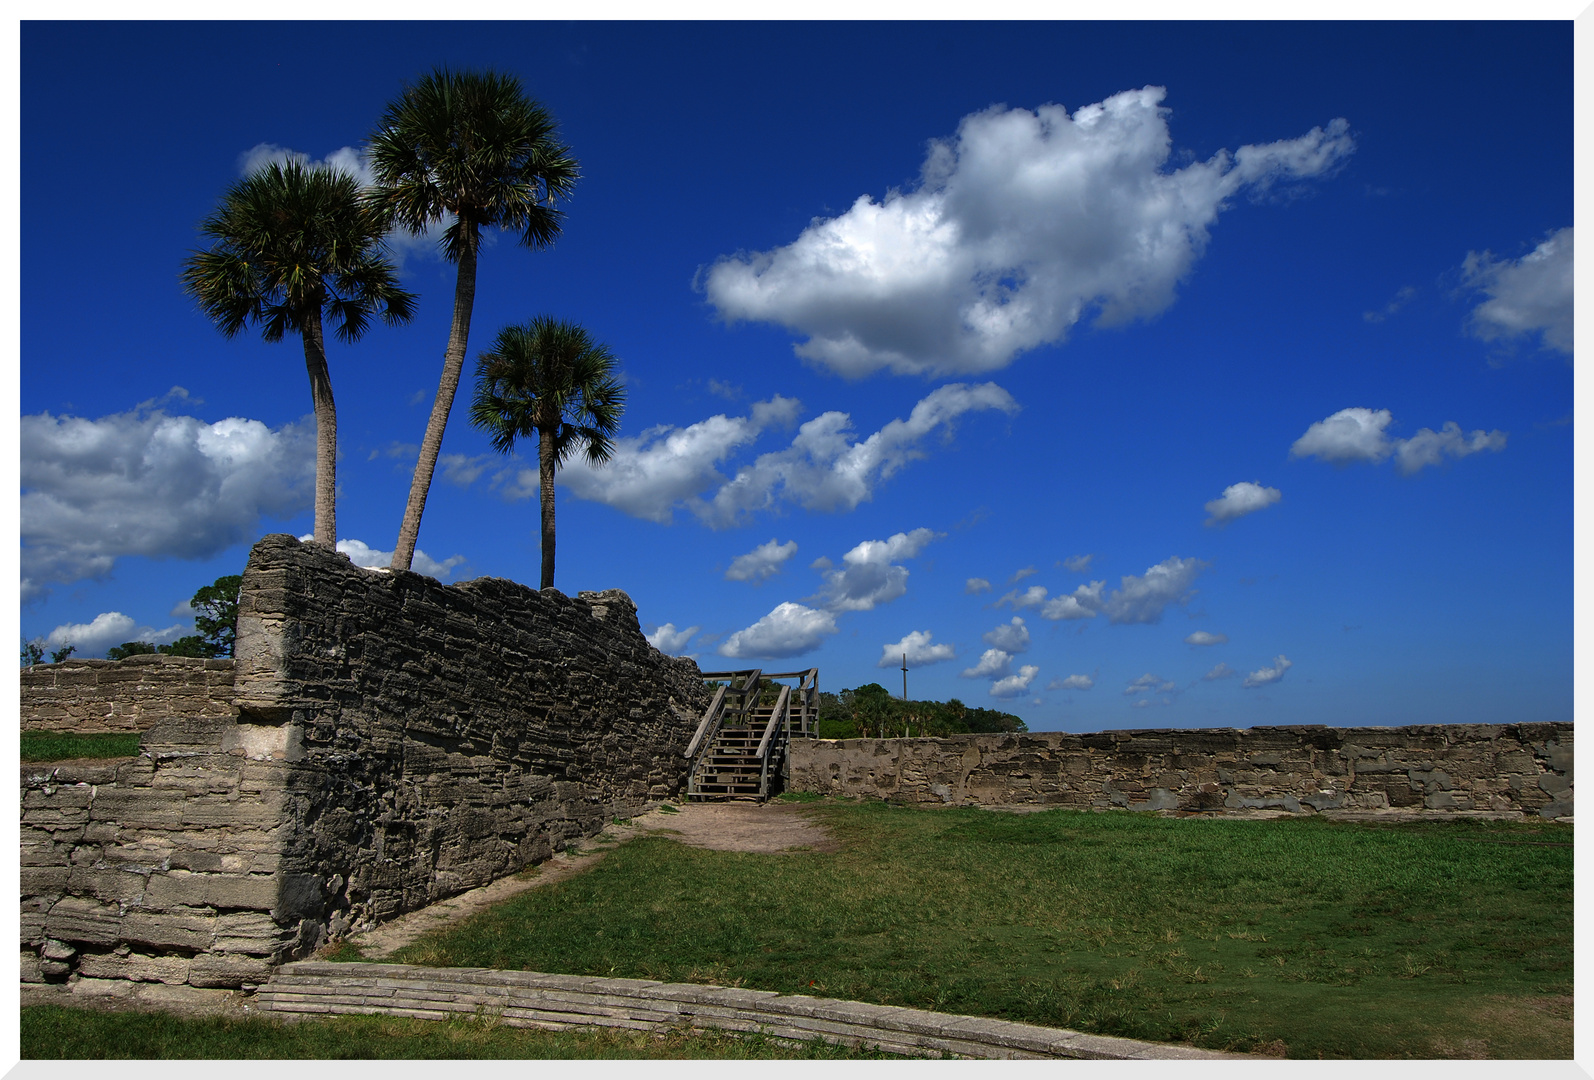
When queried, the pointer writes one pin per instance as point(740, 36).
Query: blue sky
point(1126, 375)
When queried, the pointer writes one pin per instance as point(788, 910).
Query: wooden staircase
point(739, 750)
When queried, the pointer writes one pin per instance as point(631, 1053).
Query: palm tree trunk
point(545, 465)
point(326, 432)
point(447, 386)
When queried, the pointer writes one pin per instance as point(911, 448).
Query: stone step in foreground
point(533, 999)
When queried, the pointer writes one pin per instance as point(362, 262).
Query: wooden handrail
point(708, 717)
point(770, 728)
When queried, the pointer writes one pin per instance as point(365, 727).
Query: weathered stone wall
point(91, 696)
point(1497, 767)
point(444, 736)
point(160, 868)
point(390, 741)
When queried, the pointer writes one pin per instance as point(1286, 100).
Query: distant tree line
point(870, 711)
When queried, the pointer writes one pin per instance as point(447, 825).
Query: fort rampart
point(1439, 767)
point(390, 741)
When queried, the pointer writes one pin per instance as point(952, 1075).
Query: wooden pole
point(904, 676)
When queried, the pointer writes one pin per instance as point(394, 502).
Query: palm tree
point(291, 244)
point(471, 146)
point(549, 379)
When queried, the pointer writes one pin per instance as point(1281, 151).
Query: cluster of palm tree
point(294, 245)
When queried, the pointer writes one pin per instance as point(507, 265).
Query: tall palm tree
point(293, 244)
point(549, 379)
point(471, 146)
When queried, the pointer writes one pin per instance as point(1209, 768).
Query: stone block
point(190, 931)
point(228, 971)
point(1555, 783)
point(134, 967)
point(251, 933)
point(83, 921)
point(65, 797)
point(30, 967)
point(186, 889)
point(47, 881)
point(113, 886)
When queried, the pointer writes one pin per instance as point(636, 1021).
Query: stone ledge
point(534, 999)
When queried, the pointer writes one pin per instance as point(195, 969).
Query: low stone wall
point(532, 999)
point(390, 741)
point(160, 868)
point(91, 696)
point(1494, 767)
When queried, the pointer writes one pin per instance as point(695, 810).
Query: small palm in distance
point(549, 380)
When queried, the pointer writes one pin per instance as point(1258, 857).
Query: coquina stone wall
point(92, 696)
point(444, 736)
point(391, 741)
point(1441, 767)
point(161, 868)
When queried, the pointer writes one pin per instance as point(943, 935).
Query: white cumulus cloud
point(992, 662)
point(918, 650)
point(1015, 685)
point(1143, 599)
point(667, 639)
point(1429, 447)
point(651, 473)
point(1077, 564)
point(462, 470)
point(1073, 682)
point(1222, 671)
point(1263, 676)
point(1526, 296)
point(1203, 637)
point(976, 585)
point(869, 574)
point(1034, 596)
point(362, 554)
point(762, 562)
point(1021, 224)
point(1149, 684)
point(789, 630)
point(1239, 500)
point(1012, 637)
point(145, 483)
point(107, 629)
point(1083, 603)
point(825, 467)
point(1358, 434)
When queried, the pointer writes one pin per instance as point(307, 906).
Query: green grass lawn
point(65, 746)
point(49, 1031)
point(1294, 935)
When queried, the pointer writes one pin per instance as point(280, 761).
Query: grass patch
point(50, 1031)
point(65, 746)
point(1297, 936)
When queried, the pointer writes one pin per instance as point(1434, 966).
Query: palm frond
point(470, 143)
point(291, 241)
point(549, 375)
